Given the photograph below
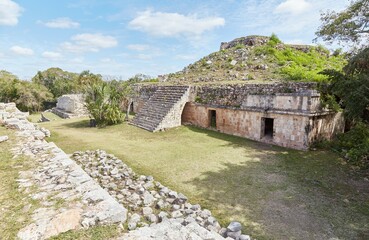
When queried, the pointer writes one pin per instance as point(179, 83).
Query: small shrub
point(274, 40)
point(354, 145)
point(239, 46)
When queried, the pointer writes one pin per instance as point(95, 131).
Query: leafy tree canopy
point(350, 25)
point(57, 81)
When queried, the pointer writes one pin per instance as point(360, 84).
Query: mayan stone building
point(70, 106)
point(284, 114)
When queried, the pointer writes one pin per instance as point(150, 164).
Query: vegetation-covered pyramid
point(259, 59)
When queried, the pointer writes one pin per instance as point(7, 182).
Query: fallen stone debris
point(149, 202)
point(3, 138)
point(93, 187)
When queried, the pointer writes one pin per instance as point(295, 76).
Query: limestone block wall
point(72, 103)
point(283, 102)
point(291, 131)
point(325, 126)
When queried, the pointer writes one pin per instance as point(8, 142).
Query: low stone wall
point(57, 178)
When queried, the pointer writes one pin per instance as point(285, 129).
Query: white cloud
point(51, 55)
point(138, 47)
point(21, 51)
point(61, 23)
point(88, 42)
point(293, 7)
point(9, 12)
point(173, 24)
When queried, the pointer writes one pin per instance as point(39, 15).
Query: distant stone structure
point(70, 106)
point(284, 114)
point(246, 41)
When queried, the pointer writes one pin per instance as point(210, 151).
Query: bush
point(103, 102)
point(354, 145)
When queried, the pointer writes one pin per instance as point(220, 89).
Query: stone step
point(156, 109)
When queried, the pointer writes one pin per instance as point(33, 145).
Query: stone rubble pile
point(148, 201)
point(69, 198)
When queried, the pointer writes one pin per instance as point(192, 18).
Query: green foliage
point(239, 46)
point(349, 25)
point(104, 100)
point(142, 78)
point(87, 79)
point(354, 145)
point(28, 96)
point(297, 65)
point(350, 89)
point(57, 81)
point(274, 40)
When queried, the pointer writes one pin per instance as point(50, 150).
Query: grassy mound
point(263, 61)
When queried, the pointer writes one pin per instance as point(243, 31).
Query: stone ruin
point(284, 114)
point(70, 106)
point(97, 188)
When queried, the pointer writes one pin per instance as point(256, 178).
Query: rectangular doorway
point(268, 127)
point(213, 118)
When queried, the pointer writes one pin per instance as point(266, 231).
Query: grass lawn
point(276, 193)
point(15, 206)
point(49, 115)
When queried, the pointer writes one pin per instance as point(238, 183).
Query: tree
point(58, 82)
point(103, 103)
point(31, 96)
point(349, 26)
point(349, 88)
point(28, 96)
point(87, 79)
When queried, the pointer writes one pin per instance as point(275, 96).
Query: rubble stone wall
point(283, 96)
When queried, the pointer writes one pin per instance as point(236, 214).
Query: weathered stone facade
point(284, 114)
point(71, 105)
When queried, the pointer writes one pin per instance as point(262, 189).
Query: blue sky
point(122, 38)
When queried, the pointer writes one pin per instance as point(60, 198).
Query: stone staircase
point(164, 109)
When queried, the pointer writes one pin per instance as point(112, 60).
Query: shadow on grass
point(236, 141)
point(279, 193)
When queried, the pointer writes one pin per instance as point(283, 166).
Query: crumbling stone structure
point(284, 114)
point(70, 105)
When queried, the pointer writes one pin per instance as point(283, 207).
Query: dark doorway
point(131, 109)
point(268, 127)
point(213, 118)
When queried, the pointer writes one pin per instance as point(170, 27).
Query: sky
point(119, 39)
